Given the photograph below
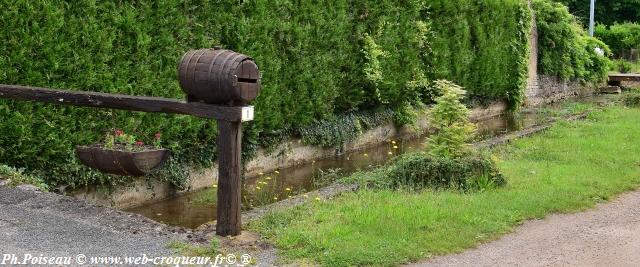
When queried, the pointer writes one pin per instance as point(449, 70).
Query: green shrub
point(620, 37)
point(622, 66)
point(421, 170)
point(450, 119)
point(319, 59)
point(482, 46)
point(407, 115)
point(631, 99)
point(18, 177)
point(336, 131)
point(597, 60)
point(564, 49)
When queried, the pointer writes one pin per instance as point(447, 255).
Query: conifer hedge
point(319, 59)
point(564, 48)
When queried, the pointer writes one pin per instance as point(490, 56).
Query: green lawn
point(568, 168)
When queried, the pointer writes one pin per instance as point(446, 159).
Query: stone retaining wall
point(549, 89)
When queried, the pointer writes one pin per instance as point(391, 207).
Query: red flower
point(119, 132)
point(158, 136)
point(139, 143)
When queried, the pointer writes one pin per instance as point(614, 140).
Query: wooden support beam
point(125, 102)
point(623, 77)
point(229, 180)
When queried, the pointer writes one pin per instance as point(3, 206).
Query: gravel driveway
point(608, 235)
point(33, 222)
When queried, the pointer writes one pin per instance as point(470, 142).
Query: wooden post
point(229, 180)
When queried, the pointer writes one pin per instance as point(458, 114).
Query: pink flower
point(158, 136)
point(139, 143)
point(119, 132)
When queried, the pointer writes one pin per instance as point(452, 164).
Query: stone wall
point(543, 89)
point(533, 87)
point(549, 89)
point(630, 84)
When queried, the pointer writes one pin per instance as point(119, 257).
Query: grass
point(569, 168)
point(17, 177)
point(187, 249)
point(626, 66)
point(208, 197)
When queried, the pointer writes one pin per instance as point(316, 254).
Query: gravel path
point(37, 222)
point(608, 235)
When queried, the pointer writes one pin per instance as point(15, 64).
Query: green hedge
point(620, 37)
point(564, 49)
point(421, 170)
point(318, 59)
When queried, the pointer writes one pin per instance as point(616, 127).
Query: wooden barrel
point(218, 76)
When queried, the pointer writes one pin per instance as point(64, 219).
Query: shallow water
point(194, 209)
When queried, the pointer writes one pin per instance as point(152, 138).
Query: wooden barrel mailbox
point(219, 76)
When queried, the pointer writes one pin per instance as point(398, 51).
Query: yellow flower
point(393, 142)
point(261, 173)
point(390, 153)
point(276, 171)
point(366, 155)
point(396, 147)
point(288, 189)
point(275, 198)
point(215, 185)
point(268, 178)
point(257, 188)
point(317, 199)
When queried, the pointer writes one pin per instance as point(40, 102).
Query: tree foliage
point(607, 12)
point(620, 37)
point(564, 48)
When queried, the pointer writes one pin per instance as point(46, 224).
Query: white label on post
point(247, 113)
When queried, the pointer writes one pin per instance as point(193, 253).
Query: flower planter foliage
point(123, 154)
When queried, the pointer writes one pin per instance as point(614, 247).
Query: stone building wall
point(543, 89)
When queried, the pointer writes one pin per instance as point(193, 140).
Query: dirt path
point(608, 235)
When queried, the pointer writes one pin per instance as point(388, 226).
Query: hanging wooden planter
point(122, 162)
